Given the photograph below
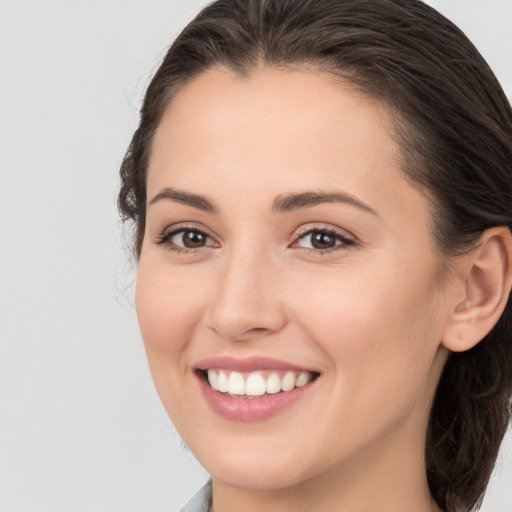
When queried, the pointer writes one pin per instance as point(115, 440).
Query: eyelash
point(346, 242)
point(164, 239)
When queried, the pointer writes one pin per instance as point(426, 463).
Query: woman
point(322, 194)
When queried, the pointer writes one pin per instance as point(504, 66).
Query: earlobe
point(487, 283)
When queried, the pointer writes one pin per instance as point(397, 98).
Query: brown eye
point(190, 239)
point(323, 240)
point(185, 239)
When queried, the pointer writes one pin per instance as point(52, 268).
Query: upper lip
point(248, 364)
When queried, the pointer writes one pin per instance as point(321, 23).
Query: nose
point(246, 304)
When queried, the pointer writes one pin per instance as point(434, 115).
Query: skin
point(370, 316)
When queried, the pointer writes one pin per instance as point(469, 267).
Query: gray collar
point(202, 500)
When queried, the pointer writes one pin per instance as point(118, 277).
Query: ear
point(486, 276)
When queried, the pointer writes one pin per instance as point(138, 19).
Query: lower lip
point(246, 410)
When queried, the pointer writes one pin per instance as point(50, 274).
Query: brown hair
point(454, 126)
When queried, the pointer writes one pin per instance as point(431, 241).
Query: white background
point(81, 427)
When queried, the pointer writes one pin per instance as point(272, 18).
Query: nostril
point(237, 332)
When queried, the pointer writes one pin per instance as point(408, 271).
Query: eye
point(323, 240)
point(190, 239)
point(184, 239)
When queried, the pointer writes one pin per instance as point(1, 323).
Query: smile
point(252, 389)
point(256, 384)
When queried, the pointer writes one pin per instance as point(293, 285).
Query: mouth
point(252, 389)
point(256, 384)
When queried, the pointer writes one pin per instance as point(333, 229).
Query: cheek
point(373, 326)
point(379, 337)
point(167, 309)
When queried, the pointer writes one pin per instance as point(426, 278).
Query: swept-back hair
point(453, 125)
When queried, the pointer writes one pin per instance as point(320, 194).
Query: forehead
point(280, 131)
point(271, 115)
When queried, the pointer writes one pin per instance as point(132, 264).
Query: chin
point(271, 477)
point(276, 467)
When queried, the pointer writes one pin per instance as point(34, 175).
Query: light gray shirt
point(202, 500)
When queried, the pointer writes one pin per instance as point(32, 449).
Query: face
point(286, 256)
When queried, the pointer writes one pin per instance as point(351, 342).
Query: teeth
point(223, 382)
point(213, 379)
point(273, 384)
point(236, 384)
point(288, 382)
point(302, 379)
point(254, 384)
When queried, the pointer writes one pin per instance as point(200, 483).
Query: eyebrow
point(195, 200)
point(290, 202)
point(282, 204)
